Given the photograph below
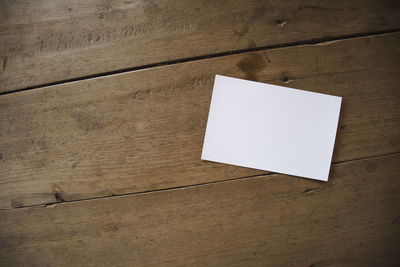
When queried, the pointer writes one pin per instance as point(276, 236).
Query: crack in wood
point(316, 41)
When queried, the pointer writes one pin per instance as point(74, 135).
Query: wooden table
point(103, 109)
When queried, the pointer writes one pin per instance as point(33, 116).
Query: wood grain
point(144, 130)
point(47, 41)
point(274, 220)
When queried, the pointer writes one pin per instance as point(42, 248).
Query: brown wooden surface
point(107, 171)
point(47, 41)
point(273, 220)
point(144, 130)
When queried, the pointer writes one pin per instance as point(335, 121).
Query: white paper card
point(272, 128)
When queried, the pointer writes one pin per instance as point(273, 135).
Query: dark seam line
point(189, 186)
point(197, 58)
point(365, 158)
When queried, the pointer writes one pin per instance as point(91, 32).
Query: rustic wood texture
point(273, 220)
point(47, 41)
point(144, 130)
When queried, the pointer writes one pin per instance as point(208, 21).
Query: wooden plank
point(47, 41)
point(275, 220)
point(144, 130)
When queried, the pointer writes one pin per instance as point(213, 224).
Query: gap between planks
point(266, 175)
point(315, 41)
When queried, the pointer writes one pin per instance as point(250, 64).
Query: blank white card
point(271, 128)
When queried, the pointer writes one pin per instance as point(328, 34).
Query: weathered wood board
point(273, 220)
point(48, 41)
point(144, 130)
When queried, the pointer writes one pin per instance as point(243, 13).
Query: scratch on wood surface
point(280, 22)
point(286, 79)
point(73, 166)
point(142, 94)
point(310, 190)
point(5, 62)
point(139, 95)
point(327, 43)
point(267, 58)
